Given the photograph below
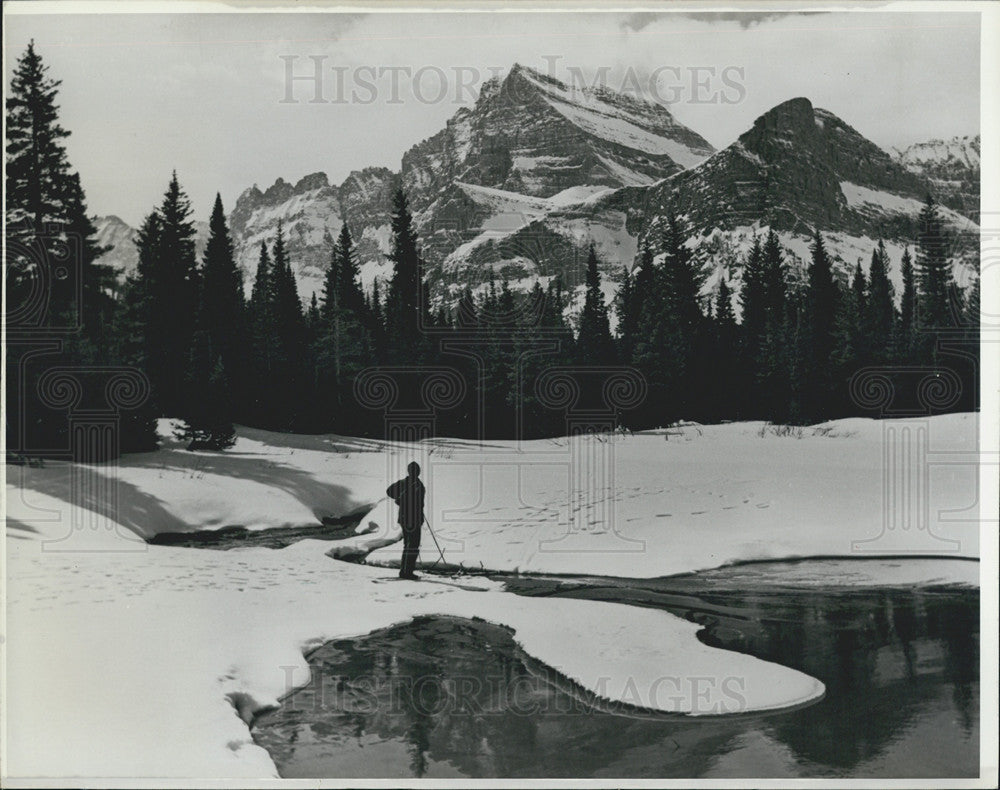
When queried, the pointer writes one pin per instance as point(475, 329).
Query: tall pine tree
point(905, 340)
point(881, 308)
point(223, 310)
point(404, 303)
point(594, 343)
point(170, 282)
point(818, 337)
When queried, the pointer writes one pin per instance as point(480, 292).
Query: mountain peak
point(795, 114)
point(312, 181)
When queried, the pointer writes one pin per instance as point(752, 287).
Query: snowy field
point(130, 659)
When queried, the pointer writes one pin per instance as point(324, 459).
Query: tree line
point(214, 356)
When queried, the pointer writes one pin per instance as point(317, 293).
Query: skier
point(408, 493)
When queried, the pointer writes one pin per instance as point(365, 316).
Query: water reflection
point(444, 697)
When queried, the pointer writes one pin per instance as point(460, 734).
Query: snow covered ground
point(667, 502)
point(129, 659)
point(139, 660)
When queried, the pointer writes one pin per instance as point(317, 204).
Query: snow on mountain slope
point(957, 153)
point(603, 114)
point(952, 167)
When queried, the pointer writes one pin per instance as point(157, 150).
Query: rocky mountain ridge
point(518, 185)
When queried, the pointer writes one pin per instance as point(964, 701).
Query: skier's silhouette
point(408, 493)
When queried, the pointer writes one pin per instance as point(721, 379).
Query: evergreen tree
point(222, 308)
point(345, 345)
point(935, 284)
point(753, 298)
point(881, 310)
point(726, 396)
point(49, 241)
point(261, 319)
point(377, 319)
point(403, 304)
point(772, 362)
point(97, 280)
point(670, 334)
point(290, 362)
point(36, 173)
point(634, 288)
point(314, 318)
point(753, 337)
point(594, 342)
point(934, 278)
point(171, 287)
point(819, 396)
point(352, 297)
point(857, 320)
point(906, 332)
point(137, 428)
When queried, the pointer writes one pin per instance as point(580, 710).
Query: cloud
point(745, 19)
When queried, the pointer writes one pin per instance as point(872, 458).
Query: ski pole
point(442, 559)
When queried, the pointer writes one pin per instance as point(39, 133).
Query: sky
point(208, 95)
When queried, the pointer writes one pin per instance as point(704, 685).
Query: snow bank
point(267, 480)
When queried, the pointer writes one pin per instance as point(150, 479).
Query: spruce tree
point(935, 285)
point(934, 277)
point(36, 172)
point(377, 318)
point(171, 285)
point(97, 280)
point(670, 333)
point(819, 395)
point(634, 289)
point(859, 329)
point(262, 339)
point(726, 396)
point(291, 354)
point(49, 241)
point(223, 310)
point(352, 297)
point(137, 429)
point(753, 301)
point(345, 345)
point(772, 362)
point(906, 332)
point(314, 318)
point(881, 310)
point(594, 343)
point(404, 302)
